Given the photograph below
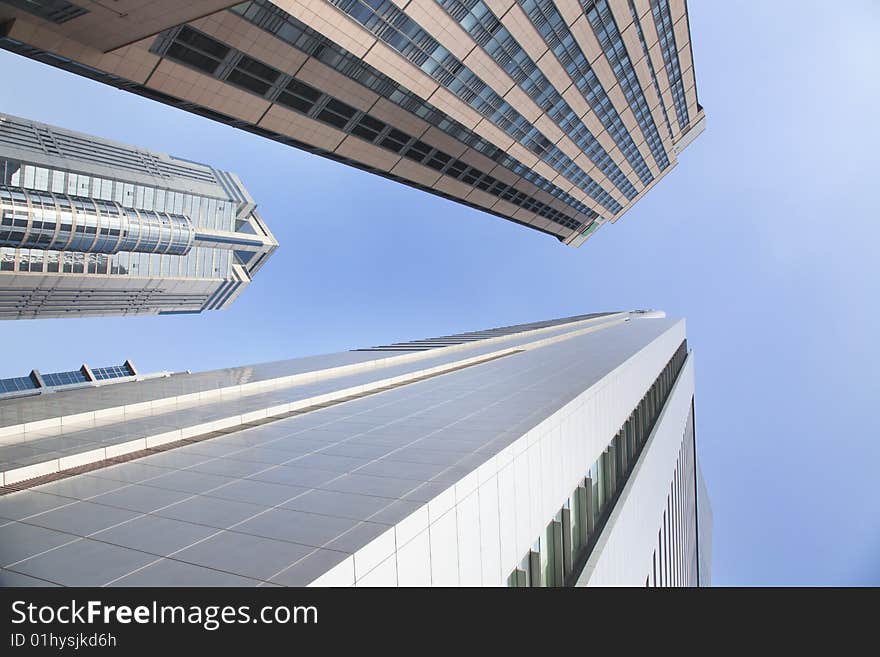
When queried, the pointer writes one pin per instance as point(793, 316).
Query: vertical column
point(535, 578)
point(589, 506)
point(565, 517)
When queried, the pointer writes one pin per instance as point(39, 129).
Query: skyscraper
point(545, 454)
point(558, 115)
point(90, 227)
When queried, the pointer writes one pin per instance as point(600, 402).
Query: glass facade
point(17, 384)
point(61, 222)
point(404, 35)
point(559, 555)
point(64, 378)
point(290, 30)
point(66, 210)
point(641, 33)
point(479, 21)
point(300, 97)
point(550, 24)
point(663, 21)
point(112, 372)
point(605, 28)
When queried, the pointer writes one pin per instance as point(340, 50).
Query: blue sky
point(765, 237)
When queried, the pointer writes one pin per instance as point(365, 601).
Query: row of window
point(550, 24)
point(274, 20)
point(56, 11)
point(558, 556)
point(112, 372)
point(17, 384)
point(203, 211)
point(55, 379)
point(305, 99)
point(59, 302)
point(663, 21)
point(64, 378)
point(605, 28)
point(654, 81)
point(200, 263)
point(392, 26)
point(488, 32)
point(43, 138)
point(43, 220)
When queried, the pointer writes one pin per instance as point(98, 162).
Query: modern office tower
point(91, 227)
point(545, 454)
point(556, 114)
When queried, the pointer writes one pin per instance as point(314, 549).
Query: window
point(17, 384)
point(240, 79)
point(438, 160)
point(336, 113)
point(112, 372)
point(197, 50)
point(64, 378)
point(192, 58)
point(418, 151)
point(367, 127)
point(471, 176)
point(486, 182)
point(57, 11)
point(396, 140)
point(253, 75)
point(299, 96)
point(202, 42)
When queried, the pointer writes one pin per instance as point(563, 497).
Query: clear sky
point(765, 237)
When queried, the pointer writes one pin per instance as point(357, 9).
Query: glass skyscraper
point(558, 115)
point(90, 227)
point(556, 453)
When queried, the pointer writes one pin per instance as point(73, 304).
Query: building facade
point(91, 227)
point(555, 114)
point(558, 453)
